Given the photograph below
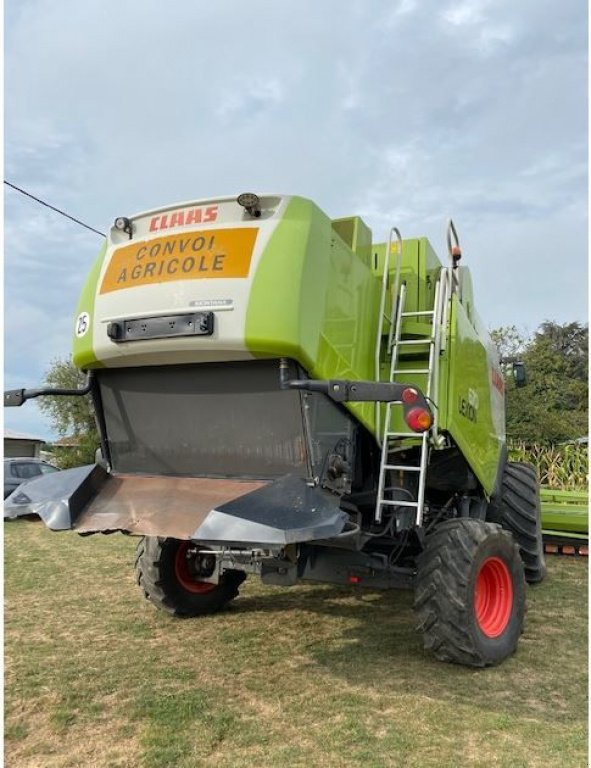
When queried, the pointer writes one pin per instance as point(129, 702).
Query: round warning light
point(123, 223)
point(418, 419)
point(248, 200)
point(409, 395)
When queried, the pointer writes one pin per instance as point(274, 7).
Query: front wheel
point(171, 574)
point(470, 593)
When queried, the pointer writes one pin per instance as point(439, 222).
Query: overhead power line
point(53, 208)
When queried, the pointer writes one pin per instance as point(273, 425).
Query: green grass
point(308, 676)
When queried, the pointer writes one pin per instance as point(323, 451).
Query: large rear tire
point(470, 593)
point(167, 570)
point(518, 511)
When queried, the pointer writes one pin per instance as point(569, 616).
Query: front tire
point(167, 570)
point(518, 511)
point(470, 593)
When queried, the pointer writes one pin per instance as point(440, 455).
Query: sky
point(404, 112)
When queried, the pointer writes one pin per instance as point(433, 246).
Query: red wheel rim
point(183, 574)
point(493, 599)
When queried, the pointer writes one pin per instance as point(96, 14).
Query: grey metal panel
point(336, 566)
point(285, 512)
point(212, 419)
point(331, 429)
point(57, 498)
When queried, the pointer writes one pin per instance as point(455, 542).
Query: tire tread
point(152, 572)
point(518, 511)
point(442, 601)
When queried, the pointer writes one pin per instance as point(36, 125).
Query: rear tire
point(166, 571)
point(470, 593)
point(518, 511)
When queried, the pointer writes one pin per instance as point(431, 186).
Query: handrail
point(454, 249)
point(385, 291)
point(396, 231)
point(455, 254)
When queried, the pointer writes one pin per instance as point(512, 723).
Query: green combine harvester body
point(278, 395)
point(312, 293)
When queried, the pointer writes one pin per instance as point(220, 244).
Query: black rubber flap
point(57, 498)
point(287, 511)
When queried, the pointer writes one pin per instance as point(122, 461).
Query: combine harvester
point(278, 395)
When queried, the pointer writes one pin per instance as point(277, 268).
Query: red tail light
point(409, 395)
point(418, 419)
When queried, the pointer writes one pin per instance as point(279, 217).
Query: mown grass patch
point(309, 676)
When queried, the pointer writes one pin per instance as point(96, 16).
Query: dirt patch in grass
point(312, 675)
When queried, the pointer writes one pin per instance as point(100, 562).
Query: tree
point(509, 341)
point(71, 416)
point(553, 406)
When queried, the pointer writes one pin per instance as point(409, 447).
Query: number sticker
point(82, 324)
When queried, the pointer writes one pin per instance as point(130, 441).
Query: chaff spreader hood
point(218, 511)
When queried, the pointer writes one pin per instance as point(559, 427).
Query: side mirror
point(519, 375)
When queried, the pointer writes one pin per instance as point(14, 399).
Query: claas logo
point(184, 218)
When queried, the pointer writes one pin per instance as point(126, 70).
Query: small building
point(69, 442)
point(21, 444)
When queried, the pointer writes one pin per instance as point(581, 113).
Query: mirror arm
point(16, 397)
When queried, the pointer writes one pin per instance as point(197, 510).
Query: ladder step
point(402, 467)
point(418, 435)
point(410, 370)
point(389, 503)
point(424, 313)
point(408, 342)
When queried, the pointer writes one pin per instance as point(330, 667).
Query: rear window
point(25, 470)
point(47, 469)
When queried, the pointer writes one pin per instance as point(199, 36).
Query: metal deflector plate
point(287, 511)
point(159, 506)
point(217, 511)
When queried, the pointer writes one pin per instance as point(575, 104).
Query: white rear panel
point(190, 257)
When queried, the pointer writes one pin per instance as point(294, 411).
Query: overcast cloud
point(403, 112)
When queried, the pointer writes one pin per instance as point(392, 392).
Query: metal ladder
point(435, 343)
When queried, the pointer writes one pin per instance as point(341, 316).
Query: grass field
point(308, 676)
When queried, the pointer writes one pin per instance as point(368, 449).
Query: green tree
point(552, 407)
point(71, 417)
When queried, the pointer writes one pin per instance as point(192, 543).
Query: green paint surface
point(565, 511)
point(469, 378)
point(83, 354)
point(316, 301)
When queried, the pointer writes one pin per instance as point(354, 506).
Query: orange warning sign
point(191, 256)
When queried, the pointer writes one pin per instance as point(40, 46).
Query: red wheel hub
point(182, 570)
point(493, 599)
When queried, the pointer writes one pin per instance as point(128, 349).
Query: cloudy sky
point(404, 112)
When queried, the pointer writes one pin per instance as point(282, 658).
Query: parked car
point(19, 470)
